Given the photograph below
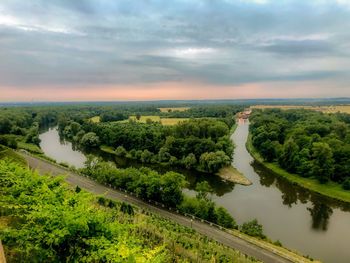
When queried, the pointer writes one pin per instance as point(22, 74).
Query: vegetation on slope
point(44, 221)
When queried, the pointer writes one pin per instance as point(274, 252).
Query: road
point(220, 236)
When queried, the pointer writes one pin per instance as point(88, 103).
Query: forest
point(201, 144)
point(308, 143)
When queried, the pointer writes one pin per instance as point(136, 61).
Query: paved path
point(205, 229)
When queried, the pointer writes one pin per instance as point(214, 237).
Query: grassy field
point(231, 174)
point(95, 119)
point(174, 109)
point(329, 189)
point(164, 121)
point(325, 109)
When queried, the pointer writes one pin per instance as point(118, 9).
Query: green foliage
point(47, 222)
point(90, 140)
point(346, 184)
point(253, 228)
point(182, 144)
point(308, 143)
point(120, 151)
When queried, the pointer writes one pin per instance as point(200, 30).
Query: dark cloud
point(218, 42)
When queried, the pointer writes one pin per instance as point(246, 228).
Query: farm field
point(325, 109)
point(164, 121)
point(174, 109)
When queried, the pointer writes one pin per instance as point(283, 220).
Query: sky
point(64, 50)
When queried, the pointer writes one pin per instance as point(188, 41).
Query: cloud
point(72, 44)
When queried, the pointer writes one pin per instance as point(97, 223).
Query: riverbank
point(330, 189)
point(231, 174)
point(228, 173)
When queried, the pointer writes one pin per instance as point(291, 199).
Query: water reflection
point(320, 214)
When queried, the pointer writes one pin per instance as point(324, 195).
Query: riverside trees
point(308, 143)
point(201, 144)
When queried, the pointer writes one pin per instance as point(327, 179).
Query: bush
point(253, 228)
point(346, 184)
point(120, 151)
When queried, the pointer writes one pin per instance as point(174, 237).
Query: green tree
point(90, 139)
point(190, 161)
point(253, 228)
point(322, 163)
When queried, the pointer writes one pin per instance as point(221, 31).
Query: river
point(309, 223)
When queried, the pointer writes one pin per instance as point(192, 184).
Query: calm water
point(306, 222)
point(60, 150)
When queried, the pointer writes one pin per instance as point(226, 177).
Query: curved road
point(223, 237)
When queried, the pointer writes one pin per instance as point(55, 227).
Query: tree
point(190, 161)
point(171, 188)
point(346, 184)
point(213, 161)
point(146, 156)
point(322, 163)
point(120, 151)
point(90, 139)
point(138, 116)
point(224, 218)
point(253, 228)
point(203, 190)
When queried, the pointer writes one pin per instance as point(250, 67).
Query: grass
point(173, 121)
point(325, 109)
point(95, 119)
point(231, 174)
point(164, 121)
point(29, 147)
point(107, 149)
point(11, 155)
point(174, 109)
point(330, 189)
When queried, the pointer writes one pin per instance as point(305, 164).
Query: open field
point(231, 174)
point(330, 189)
point(325, 109)
point(174, 109)
point(164, 121)
point(173, 121)
point(95, 119)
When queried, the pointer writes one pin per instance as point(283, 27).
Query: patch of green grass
point(29, 147)
point(107, 149)
point(330, 189)
point(95, 119)
point(11, 155)
point(173, 121)
point(154, 118)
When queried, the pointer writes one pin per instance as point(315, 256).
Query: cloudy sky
point(180, 49)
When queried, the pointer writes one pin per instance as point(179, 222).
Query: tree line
point(164, 188)
point(307, 143)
